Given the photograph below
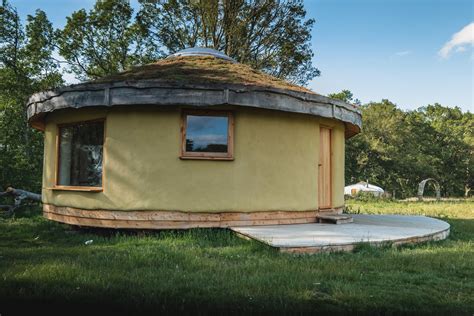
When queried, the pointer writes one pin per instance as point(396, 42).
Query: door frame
point(330, 167)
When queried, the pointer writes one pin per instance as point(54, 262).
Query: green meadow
point(46, 266)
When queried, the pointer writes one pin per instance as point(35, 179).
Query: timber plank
point(173, 219)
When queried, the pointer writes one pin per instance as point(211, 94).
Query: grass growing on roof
point(43, 264)
point(202, 70)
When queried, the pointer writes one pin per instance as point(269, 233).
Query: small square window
point(80, 154)
point(207, 135)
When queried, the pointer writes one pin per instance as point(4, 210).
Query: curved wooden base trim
point(175, 220)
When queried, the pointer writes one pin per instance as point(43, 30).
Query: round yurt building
point(193, 140)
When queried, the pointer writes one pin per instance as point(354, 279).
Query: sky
point(412, 52)
point(390, 49)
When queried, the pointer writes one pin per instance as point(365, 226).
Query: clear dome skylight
point(202, 51)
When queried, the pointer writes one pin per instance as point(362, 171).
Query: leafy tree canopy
point(397, 149)
point(346, 96)
point(269, 35)
point(26, 66)
point(104, 40)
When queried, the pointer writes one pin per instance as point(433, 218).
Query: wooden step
point(334, 218)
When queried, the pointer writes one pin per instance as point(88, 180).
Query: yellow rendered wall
point(275, 165)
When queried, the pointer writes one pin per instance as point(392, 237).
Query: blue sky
point(389, 49)
point(375, 48)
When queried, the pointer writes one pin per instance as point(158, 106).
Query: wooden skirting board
point(177, 220)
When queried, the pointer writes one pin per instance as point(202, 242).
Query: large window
point(80, 154)
point(207, 135)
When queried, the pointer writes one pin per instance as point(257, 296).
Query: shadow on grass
point(163, 305)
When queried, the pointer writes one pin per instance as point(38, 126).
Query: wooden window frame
point(229, 155)
point(58, 159)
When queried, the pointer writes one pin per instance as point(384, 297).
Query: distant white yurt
point(353, 189)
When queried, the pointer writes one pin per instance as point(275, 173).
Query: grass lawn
point(47, 266)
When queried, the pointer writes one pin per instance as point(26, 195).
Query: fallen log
point(19, 196)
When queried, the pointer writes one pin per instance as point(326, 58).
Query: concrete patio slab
point(372, 229)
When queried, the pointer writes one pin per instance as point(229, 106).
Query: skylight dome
point(202, 51)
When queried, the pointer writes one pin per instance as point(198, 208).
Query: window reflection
point(80, 154)
point(206, 133)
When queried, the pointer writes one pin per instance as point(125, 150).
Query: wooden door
point(324, 174)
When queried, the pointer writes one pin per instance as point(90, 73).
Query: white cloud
point(403, 53)
point(459, 41)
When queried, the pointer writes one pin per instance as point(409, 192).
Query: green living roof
point(202, 70)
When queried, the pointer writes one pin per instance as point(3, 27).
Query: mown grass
point(47, 266)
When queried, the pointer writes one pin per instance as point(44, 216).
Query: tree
point(397, 149)
point(26, 66)
point(346, 96)
point(455, 134)
point(104, 41)
point(269, 35)
point(41, 68)
point(11, 40)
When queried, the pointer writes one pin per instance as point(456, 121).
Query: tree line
point(396, 148)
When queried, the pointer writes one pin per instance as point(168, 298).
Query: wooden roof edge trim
point(257, 98)
point(156, 83)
